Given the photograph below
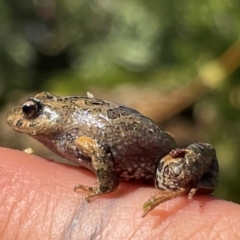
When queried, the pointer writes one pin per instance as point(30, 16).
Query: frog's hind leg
point(185, 171)
point(102, 163)
point(206, 185)
point(208, 182)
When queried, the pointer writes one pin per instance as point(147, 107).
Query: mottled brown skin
point(114, 141)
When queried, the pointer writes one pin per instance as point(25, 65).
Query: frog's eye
point(31, 109)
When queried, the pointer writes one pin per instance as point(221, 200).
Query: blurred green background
point(177, 62)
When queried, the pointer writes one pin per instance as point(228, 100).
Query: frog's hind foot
point(160, 197)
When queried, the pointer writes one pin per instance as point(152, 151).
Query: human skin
point(38, 202)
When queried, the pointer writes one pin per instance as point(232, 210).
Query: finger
point(38, 202)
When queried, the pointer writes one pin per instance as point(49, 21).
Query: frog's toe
point(160, 197)
point(93, 191)
point(84, 188)
point(192, 193)
point(150, 205)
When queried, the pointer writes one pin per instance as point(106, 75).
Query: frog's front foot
point(94, 191)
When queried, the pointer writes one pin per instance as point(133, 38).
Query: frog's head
point(36, 116)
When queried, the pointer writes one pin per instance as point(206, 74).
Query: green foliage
point(107, 42)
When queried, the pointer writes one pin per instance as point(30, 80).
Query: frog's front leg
point(103, 165)
point(185, 171)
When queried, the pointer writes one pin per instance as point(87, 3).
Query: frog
point(117, 143)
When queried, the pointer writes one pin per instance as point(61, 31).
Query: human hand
point(38, 202)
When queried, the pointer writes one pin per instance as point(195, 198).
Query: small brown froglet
point(116, 143)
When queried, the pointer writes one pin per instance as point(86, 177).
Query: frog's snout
point(9, 118)
point(14, 119)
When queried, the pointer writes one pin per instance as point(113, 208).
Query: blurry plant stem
point(211, 76)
